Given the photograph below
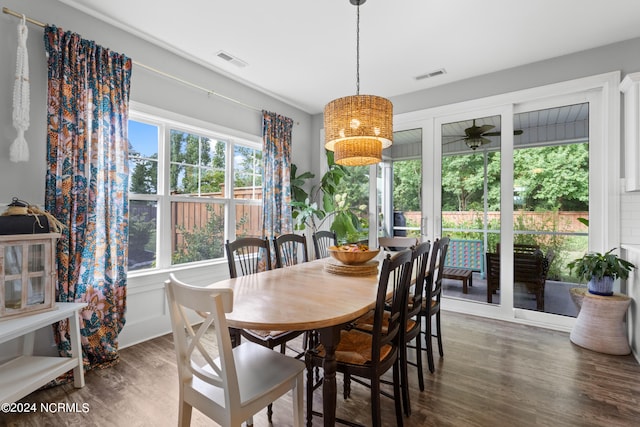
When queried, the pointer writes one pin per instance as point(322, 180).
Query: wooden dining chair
point(368, 355)
point(244, 252)
point(231, 386)
point(433, 294)
point(393, 244)
point(322, 240)
point(413, 322)
point(290, 249)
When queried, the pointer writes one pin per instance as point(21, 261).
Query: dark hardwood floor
point(493, 374)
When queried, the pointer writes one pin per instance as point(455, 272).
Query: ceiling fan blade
point(477, 131)
point(515, 132)
point(486, 128)
point(455, 140)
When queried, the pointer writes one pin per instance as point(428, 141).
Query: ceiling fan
point(475, 136)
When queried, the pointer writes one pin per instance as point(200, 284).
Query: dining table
point(304, 297)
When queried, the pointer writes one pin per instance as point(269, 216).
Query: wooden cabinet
point(27, 274)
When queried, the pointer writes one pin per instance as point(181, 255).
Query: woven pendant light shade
point(357, 128)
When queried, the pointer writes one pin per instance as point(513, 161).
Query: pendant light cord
point(358, 51)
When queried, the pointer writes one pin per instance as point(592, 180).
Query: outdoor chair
point(393, 244)
point(530, 268)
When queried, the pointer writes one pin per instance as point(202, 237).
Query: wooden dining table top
point(300, 297)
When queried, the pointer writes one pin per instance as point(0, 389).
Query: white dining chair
point(241, 381)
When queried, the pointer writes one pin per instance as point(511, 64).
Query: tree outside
point(548, 182)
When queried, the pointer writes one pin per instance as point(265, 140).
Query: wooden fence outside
point(189, 216)
point(566, 222)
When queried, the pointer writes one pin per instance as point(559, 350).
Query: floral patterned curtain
point(276, 185)
point(87, 186)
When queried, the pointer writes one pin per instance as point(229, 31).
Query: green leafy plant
point(323, 202)
point(598, 265)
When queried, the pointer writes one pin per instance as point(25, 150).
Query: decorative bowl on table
point(352, 254)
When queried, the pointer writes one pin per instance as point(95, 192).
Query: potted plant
point(601, 270)
point(324, 202)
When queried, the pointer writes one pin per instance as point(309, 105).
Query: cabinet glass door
point(36, 270)
point(13, 277)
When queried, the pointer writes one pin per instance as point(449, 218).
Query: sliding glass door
point(551, 204)
point(514, 186)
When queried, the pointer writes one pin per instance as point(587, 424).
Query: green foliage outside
point(201, 243)
point(546, 179)
point(407, 185)
point(195, 169)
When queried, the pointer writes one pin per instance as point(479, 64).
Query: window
point(185, 196)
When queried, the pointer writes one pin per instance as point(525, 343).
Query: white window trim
point(167, 121)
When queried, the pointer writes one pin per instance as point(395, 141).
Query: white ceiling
point(304, 51)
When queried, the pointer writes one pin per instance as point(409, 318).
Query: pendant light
point(358, 127)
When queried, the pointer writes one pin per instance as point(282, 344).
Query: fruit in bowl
point(353, 253)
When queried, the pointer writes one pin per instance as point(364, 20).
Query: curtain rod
point(155, 70)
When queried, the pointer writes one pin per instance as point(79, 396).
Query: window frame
point(167, 121)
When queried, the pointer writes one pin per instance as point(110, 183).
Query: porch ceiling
point(566, 124)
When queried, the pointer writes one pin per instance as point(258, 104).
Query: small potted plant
point(601, 270)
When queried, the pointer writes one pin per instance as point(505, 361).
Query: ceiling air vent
point(231, 59)
point(432, 74)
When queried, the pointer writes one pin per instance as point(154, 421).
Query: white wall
point(146, 316)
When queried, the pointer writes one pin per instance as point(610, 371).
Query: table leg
point(329, 337)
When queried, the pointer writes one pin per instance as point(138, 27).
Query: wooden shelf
point(26, 373)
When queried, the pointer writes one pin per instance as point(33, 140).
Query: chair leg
point(396, 394)
point(346, 387)
point(184, 416)
point(419, 359)
point(429, 345)
point(270, 412)
point(376, 417)
point(439, 331)
point(235, 337)
point(298, 401)
point(308, 359)
point(404, 383)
